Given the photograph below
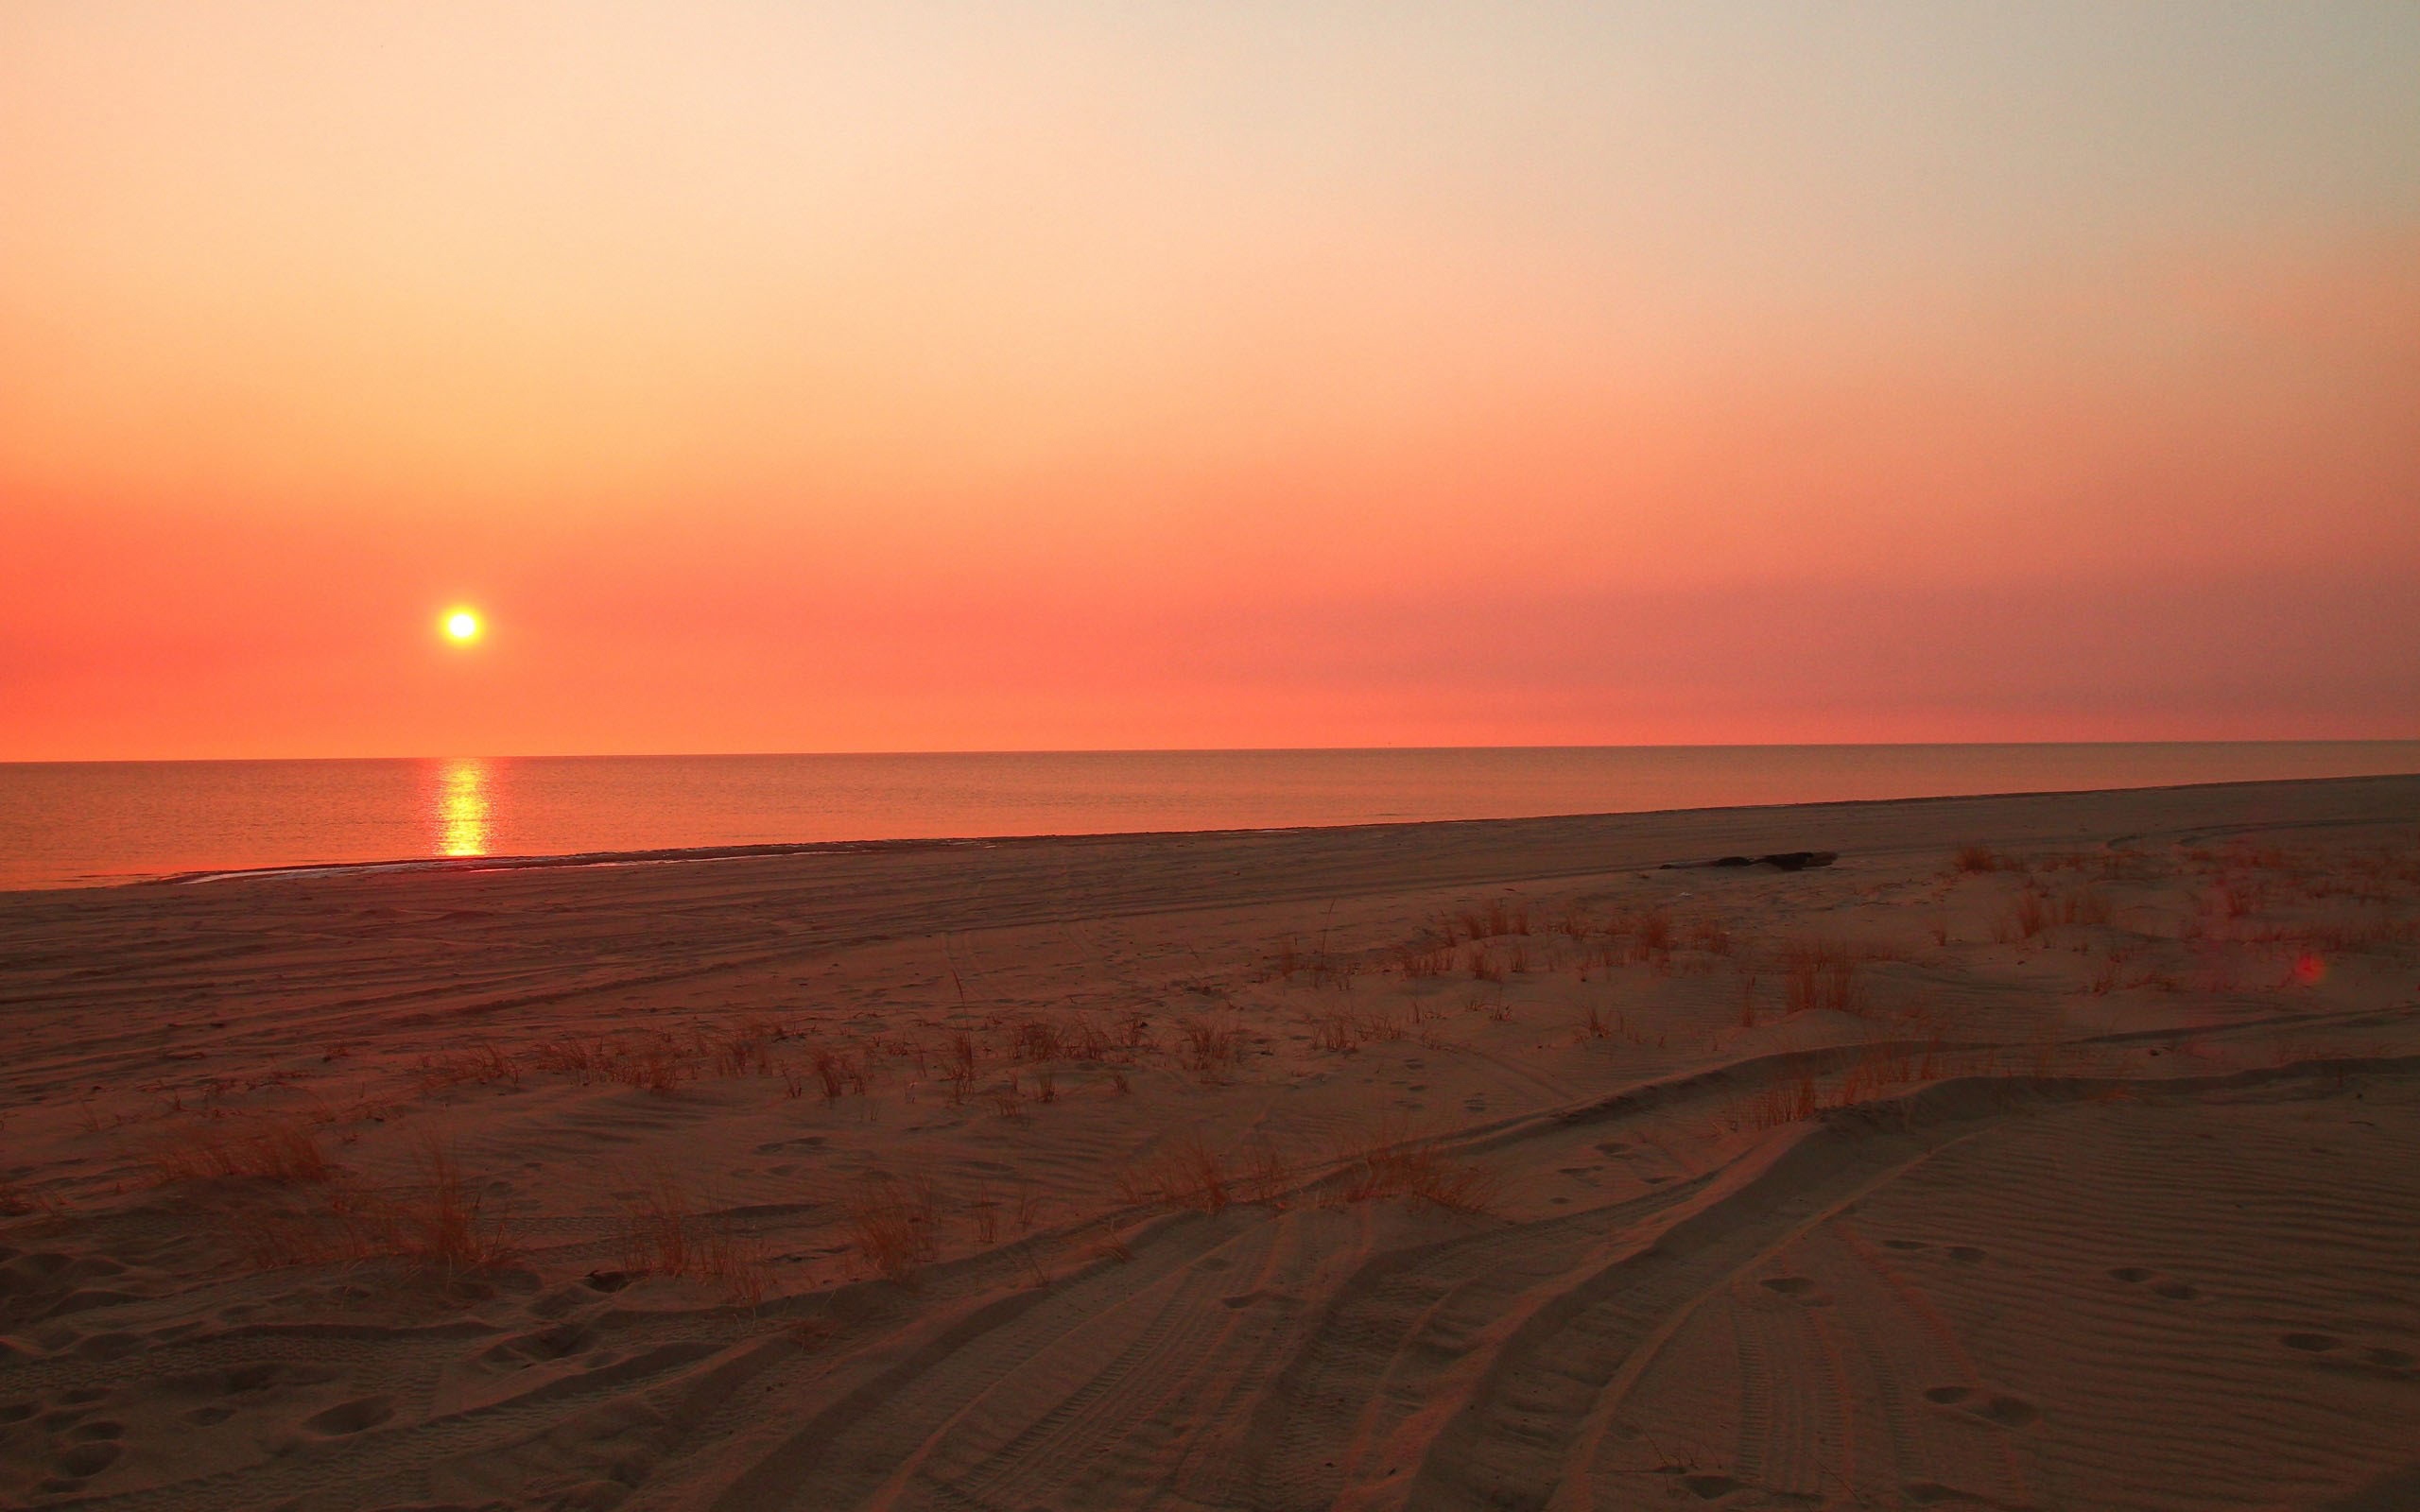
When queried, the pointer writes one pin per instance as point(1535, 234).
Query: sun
point(461, 626)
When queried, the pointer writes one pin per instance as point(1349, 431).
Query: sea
point(89, 823)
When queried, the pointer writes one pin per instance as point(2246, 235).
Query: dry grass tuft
point(1035, 1039)
point(745, 1048)
point(1089, 1042)
point(1977, 858)
point(664, 1235)
point(1009, 1100)
point(1211, 1044)
point(1334, 1032)
point(2026, 918)
point(1186, 1173)
point(1823, 974)
point(1646, 937)
point(2081, 906)
point(1193, 1177)
point(1789, 1102)
point(1425, 957)
point(439, 1224)
point(435, 1223)
point(837, 1072)
point(892, 1223)
point(1500, 917)
point(654, 1062)
point(651, 1062)
point(283, 1150)
point(2035, 911)
point(1387, 1165)
point(484, 1064)
point(1268, 1175)
point(1344, 1031)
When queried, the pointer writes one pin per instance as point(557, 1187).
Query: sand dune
point(1439, 1166)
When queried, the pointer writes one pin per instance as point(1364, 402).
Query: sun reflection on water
point(462, 808)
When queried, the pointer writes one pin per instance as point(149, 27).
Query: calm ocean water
point(64, 824)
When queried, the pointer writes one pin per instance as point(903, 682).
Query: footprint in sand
point(1930, 1493)
point(543, 1345)
point(2174, 1290)
point(252, 1377)
point(1966, 1255)
point(113, 1346)
point(82, 1461)
point(2389, 1359)
point(778, 1146)
point(2313, 1343)
point(349, 1416)
point(2007, 1412)
point(1789, 1285)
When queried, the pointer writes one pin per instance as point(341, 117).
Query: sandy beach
point(2043, 1152)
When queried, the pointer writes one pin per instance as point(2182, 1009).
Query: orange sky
point(802, 378)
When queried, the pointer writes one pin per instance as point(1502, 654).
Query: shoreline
point(677, 855)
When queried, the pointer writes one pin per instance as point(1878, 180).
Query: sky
point(776, 376)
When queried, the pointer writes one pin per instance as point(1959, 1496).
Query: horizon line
point(1208, 750)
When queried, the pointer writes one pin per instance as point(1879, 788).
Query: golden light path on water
point(462, 807)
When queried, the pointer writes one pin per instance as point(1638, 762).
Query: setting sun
point(461, 626)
